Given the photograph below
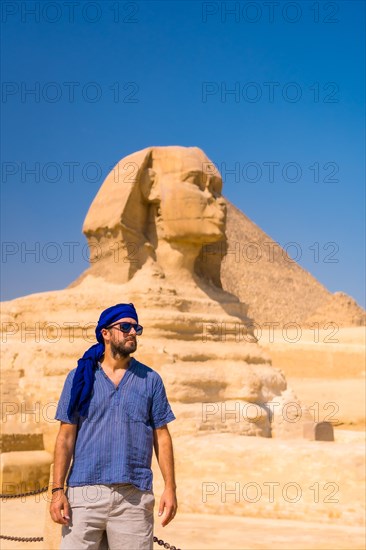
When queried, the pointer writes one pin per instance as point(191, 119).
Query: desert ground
point(338, 528)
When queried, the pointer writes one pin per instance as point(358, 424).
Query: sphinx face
point(191, 206)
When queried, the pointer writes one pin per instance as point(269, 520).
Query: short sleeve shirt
point(114, 442)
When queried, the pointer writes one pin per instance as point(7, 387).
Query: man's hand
point(168, 504)
point(64, 448)
point(60, 504)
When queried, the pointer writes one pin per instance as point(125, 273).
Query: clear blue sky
point(111, 78)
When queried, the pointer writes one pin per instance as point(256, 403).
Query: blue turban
point(83, 381)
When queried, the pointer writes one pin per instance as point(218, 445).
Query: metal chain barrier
point(160, 542)
point(165, 544)
point(35, 492)
point(22, 539)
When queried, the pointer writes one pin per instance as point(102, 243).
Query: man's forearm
point(62, 458)
point(165, 457)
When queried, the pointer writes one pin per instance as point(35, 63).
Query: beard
point(123, 349)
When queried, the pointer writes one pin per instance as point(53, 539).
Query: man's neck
point(114, 364)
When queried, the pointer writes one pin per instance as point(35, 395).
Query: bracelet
point(57, 489)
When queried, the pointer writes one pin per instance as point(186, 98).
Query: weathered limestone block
point(223, 379)
point(236, 416)
point(240, 417)
point(23, 471)
point(21, 442)
point(287, 416)
point(318, 431)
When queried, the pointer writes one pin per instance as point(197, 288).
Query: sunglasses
point(126, 327)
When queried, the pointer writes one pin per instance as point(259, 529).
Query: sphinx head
point(161, 204)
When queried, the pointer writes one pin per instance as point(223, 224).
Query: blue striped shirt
point(114, 443)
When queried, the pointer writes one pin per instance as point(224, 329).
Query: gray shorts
point(118, 517)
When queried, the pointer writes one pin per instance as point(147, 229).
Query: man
point(113, 411)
